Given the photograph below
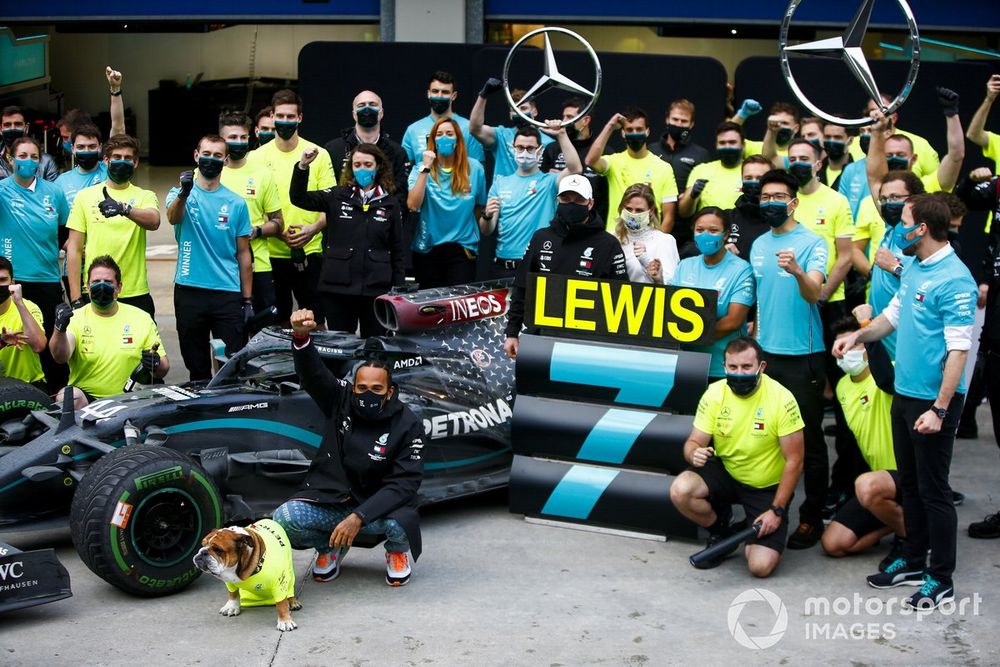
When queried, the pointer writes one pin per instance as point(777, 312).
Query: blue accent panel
point(578, 491)
point(642, 377)
point(278, 428)
point(613, 436)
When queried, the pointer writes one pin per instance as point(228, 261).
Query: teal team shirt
point(503, 150)
point(206, 238)
point(884, 286)
point(74, 180)
point(415, 139)
point(29, 228)
point(930, 299)
point(854, 184)
point(733, 279)
point(450, 218)
point(787, 323)
point(527, 203)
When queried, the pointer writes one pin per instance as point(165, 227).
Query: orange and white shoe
point(327, 565)
point(397, 568)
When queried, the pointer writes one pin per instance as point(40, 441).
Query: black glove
point(64, 312)
point(948, 99)
point(247, 311)
point(150, 360)
point(697, 188)
point(81, 302)
point(491, 86)
point(187, 182)
point(110, 207)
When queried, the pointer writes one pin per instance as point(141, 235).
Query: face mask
point(445, 145)
point(742, 385)
point(368, 404)
point(636, 141)
point(238, 149)
point(4, 293)
point(367, 117)
point(678, 133)
point(86, 159)
point(853, 362)
point(784, 136)
point(708, 244)
point(572, 213)
point(25, 168)
point(635, 221)
point(897, 163)
point(774, 213)
point(901, 232)
point(520, 122)
point(286, 129)
point(67, 146)
point(572, 132)
point(817, 144)
point(102, 294)
point(865, 140)
point(730, 156)
point(264, 137)
point(892, 212)
point(751, 190)
point(526, 160)
point(953, 236)
point(12, 133)
point(439, 105)
point(120, 171)
point(210, 167)
point(802, 172)
point(364, 177)
point(836, 150)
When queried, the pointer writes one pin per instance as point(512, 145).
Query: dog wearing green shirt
point(256, 565)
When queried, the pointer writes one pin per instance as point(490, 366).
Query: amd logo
point(411, 362)
point(8, 571)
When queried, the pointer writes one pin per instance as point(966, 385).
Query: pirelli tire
point(18, 398)
point(138, 518)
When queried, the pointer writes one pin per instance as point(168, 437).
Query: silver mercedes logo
point(848, 47)
point(552, 78)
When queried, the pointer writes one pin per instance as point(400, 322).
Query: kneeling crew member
point(366, 473)
point(746, 447)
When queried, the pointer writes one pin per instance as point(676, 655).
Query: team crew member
point(747, 225)
point(296, 256)
point(112, 219)
point(716, 183)
point(782, 127)
point(650, 254)
point(448, 188)
point(263, 128)
point(554, 158)
point(21, 335)
point(255, 183)
point(789, 330)
point(520, 204)
point(500, 139)
point(88, 169)
point(977, 134)
point(576, 231)
point(926, 160)
point(636, 164)
point(105, 340)
point(676, 147)
point(364, 247)
point(717, 268)
point(933, 314)
point(836, 145)
point(14, 126)
point(351, 488)
point(745, 447)
point(214, 277)
point(441, 95)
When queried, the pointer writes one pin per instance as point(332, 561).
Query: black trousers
point(201, 315)
point(289, 282)
point(803, 375)
point(263, 290)
point(923, 462)
point(849, 463)
point(345, 311)
point(992, 375)
point(47, 296)
point(142, 302)
point(445, 265)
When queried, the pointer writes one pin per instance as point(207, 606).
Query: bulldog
point(256, 565)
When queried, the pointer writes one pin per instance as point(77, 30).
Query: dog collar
point(260, 565)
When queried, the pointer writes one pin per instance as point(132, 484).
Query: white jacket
point(659, 245)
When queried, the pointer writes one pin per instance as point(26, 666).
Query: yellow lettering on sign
point(574, 303)
point(686, 315)
point(625, 305)
point(659, 303)
point(541, 319)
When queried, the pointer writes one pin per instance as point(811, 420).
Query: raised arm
point(117, 104)
point(977, 126)
point(477, 117)
point(595, 155)
point(951, 164)
point(298, 194)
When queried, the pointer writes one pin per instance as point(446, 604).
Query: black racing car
point(144, 475)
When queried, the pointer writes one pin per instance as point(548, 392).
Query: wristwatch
point(423, 169)
point(778, 511)
point(898, 271)
point(942, 413)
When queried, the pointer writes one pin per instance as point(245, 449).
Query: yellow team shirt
point(20, 364)
point(992, 152)
point(108, 349)
point(119, 237)
point(868, 412)
point(745, 431)
point(832, 174)
point(927, 158)
point(256, 185)
point(827, 213)
point(280, 165)
point(724, 185)
point(624, 170)
point(869, 226)
point(276, 580)
point(751, 147)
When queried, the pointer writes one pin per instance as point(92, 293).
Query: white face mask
point(635, 221)
point(853, 362)
point(526, 160)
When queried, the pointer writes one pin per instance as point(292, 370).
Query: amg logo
point(248, 406)
point(13, 570)
point(412, 362)
point(159, 477)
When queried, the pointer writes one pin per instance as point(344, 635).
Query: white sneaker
point(327, 566)
point(397, 568)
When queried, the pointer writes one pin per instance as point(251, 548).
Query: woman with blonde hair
point(650, 254)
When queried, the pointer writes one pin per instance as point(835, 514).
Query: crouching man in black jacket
point(366, 473)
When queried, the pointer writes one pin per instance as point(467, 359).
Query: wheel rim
point(166, 527)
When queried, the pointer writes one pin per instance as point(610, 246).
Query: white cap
point(578, 184)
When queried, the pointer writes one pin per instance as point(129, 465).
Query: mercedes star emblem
point(552, 78)
point(847, 47)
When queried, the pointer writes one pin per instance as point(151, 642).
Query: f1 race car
point(143, 476)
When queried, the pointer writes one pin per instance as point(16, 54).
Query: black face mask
point(367, 117)
point(784, 136)
point(952, 235)
point(439, 105)
point(368, 404)
point(635, 142)
point(238, 149)
point(120, 171)
point(572, 132)
point(86, 159)
point(743, 385)
point(774, 213)
point(12, 133)
point(286, 129)
point(802, 172)
point(678, 133)
point(892, 212)
point(730, 156)
point(572, 213)
point(518, 121)
point(210, 167)
point(836, 150)
point(265, 136)
point(4, 293)
point(897, 163)
point(751, 190)
point(865, 140)
point(102, 294)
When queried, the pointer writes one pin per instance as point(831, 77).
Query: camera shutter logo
point(780, 618)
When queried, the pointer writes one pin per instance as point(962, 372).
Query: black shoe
point(895, 552)
point(806, 536)
point(967, 432)
point(716, 536)
point(957, 498)
point(931, 594)
point(987, 529)
point(834, 501)
point(898, 573)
